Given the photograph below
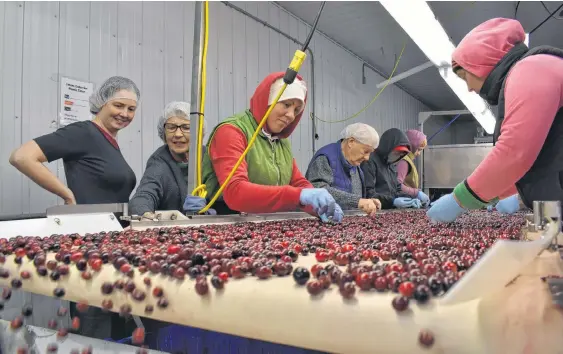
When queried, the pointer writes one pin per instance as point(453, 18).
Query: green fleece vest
point(269, 163)
point(411, 179)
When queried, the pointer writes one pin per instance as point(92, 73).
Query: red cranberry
point(347, 290)
point(107, 288)
point(426, 338)
point(147, 281)
point(264, 272)
point(201, 287)
point(125, 310)
point(138, 336)
point(82, 306)
point(217, 282)
point(149, 309)
point(406, 288)
point(62, 333)
point(157, 291)
point(107, 304)
point(314, 287)
point(52, 324)
point(138, 295)
point(75, 324)
point(25, 274)
point(62, 311)
point(380, 284)
point(400, 303)
point(86, 275)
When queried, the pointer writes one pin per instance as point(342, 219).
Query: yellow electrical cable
point(200, 190)
point(374, 99)
point(294, 66)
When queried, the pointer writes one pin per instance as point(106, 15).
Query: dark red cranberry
point(41, 271)
point(162, 303)
point(264, 272)
point(301, 275)
point(18, 260)
point(27, 310)
point(147, 281)
point(59, 292)
point(86, 275)
point(217, 282)
point(107, 304)
point(51, 265)
point(25, 274)
point(82, 306)
point(380, 284)
point(149, 309)
point(201, 287)
point(81, 265)
point(16, 283)
point(179, 273)
point(55, 275)
point(4, 273)
point(138, 295)
point(314, 287)
point(125, 310)
point(107, 288)
point(422, 294)
point(52, 324)
point(426, 338)
point(400, 303)
point(129, 286)
point(52, 348)
point(62, 333)
point(347, 290)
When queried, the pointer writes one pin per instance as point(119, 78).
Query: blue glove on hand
point(337, 217)
point(445, 209)
point(403, 202)
point(193, 204)
point(416, 204)
point(423, 198)
point(322, 202)
point(490, 207)
point(509, 205)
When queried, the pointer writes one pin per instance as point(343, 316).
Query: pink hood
point(416, 138)
point(482, 48)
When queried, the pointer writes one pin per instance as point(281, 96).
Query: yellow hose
point(200, 190)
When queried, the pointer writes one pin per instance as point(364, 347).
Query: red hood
point(482, 48)
point(259, 103)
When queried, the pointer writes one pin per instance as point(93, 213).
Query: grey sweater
point(320, 175)
point(162, 187)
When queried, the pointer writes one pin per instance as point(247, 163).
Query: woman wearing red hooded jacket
point(269, 179)
point(526, 162)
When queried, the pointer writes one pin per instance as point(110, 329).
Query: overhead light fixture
point(419, 22)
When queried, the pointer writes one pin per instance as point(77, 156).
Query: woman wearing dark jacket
point(164, 184)
point(380, 171)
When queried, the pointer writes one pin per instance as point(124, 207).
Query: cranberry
point(162, 302)
point(62, 311)
point(363, 281)
point(27, 310)
point(41, 271)
point(380, 284)
point(52, 324)
point(426, 338)
point(157, 291)
point(76, 256)
point(55, 275)
point(75, 324)
point(62, 333)
point(264, 272)
point(406, 289)
point(149, 309)
point(301, 275)
point(147, 281)
point(125, 310)
point(52, 348)
point(422, 294)
point(17, 322)
point(107, 288)
point(217, 282)
point(96, 264)
point(201, 287)
point(179, 273)
point(82, 306)
point(138, 295)
point(347, 290)
point(107, 304)
point(59, 292)
point(129, 286)
point(86, 275)
point(400, 303)
point(16, 283)
point(314, 287)
point(25, 274)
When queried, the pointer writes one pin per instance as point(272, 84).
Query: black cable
point(549, 11)
point(516, 9)
point(306, 44)
point(548, 17)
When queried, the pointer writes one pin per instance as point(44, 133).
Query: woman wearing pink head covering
point(407, 174)
point(527, 85)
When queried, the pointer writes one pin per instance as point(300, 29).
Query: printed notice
point(74, 101)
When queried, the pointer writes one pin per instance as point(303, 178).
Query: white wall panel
point(152, 43)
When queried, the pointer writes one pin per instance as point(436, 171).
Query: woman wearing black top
point(96, 171)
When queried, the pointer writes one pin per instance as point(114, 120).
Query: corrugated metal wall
point(151, 43)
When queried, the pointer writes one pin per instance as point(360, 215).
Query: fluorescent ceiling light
point(419, 22)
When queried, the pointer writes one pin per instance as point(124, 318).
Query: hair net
point(174, 109)
point(106, 92)
point(363, 133)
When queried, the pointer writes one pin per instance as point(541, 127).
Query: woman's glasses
point(171, 127)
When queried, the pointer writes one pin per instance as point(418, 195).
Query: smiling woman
point(96, 171)
point(164, 183)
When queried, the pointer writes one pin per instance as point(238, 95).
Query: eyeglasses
point(171, 127)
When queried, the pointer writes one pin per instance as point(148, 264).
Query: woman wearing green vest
point(407, 173)
point(268, 180)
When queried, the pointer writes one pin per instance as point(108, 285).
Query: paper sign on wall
point(74, 101)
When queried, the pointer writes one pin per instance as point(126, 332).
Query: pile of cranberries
point(399, 252)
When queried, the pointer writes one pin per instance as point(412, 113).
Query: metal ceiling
point(367, 30)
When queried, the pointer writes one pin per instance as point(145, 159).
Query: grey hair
point(174, 109)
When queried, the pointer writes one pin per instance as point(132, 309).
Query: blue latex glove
point(337, 217)
point(416, 204)
point(509, 205)
point(322, 202)
point(423, 198)
point(445, 209)
point(403, 202)
point(193, 204)
point(490, 207)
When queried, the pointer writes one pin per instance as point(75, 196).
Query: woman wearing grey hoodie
point(164, 184)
